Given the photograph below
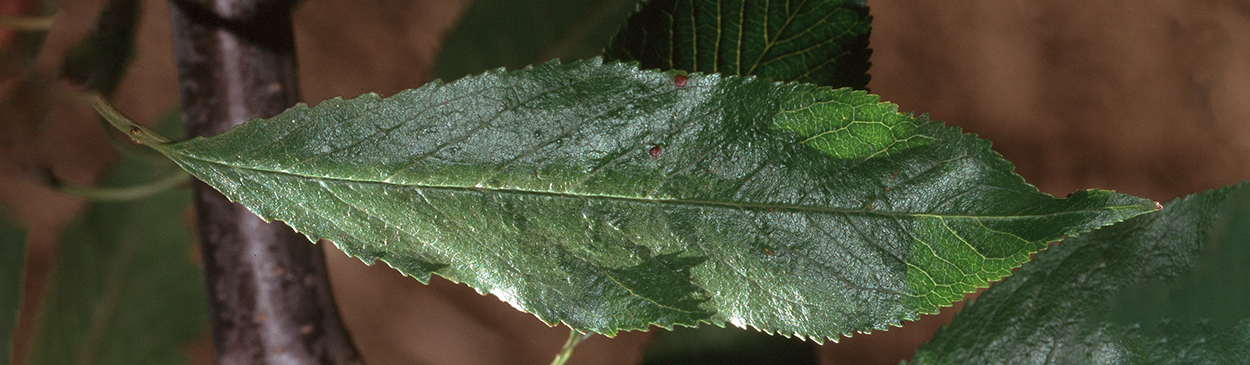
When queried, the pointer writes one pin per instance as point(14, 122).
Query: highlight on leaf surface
point(790, 208)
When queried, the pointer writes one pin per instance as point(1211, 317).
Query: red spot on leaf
point(655, 152)
point(1158, 206)
point(680, 80)
point(768, 252)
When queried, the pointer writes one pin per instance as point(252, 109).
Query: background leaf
point(519, 33)
point(99, 61)
point(726, 346)
point(125, 289)
point(824, 42)
point(610, 198)
point(12, 252)
point(1169, 287)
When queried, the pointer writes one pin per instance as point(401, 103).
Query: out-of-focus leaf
point(12, 252)
point(99, 61)
point(824, 42)
point(125, 289)
point(1170, 287)
point(22, 31)
point(518, 33)
point(726, 346)
point(25, 98)
point(611, 198)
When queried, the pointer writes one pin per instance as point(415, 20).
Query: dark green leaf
point(1171, 287)
point(12, 252)
point(611, 199)
point(99, 61)
point(824, 42)
point(519, 33)
point(125, 289)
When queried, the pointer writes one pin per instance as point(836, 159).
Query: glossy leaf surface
point(824, 42)
point(125, 289)
point(1170, 287)
point(610, 198)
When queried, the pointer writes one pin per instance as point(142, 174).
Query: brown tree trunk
point(268, 291)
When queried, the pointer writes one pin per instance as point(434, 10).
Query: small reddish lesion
point(680, 80)
point(134, 133)
point(655, 151)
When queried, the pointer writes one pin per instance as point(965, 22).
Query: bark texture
point(268, 290)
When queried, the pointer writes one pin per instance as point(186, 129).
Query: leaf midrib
point(689, 202)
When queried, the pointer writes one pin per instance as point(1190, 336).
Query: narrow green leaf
point(824, 42)
point(609, 198)
point(12, 253)
point(1171, 287)
point(519, 33)
point(125, 289)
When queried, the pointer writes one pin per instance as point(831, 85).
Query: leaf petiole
point(575, 338)
point(119, 120)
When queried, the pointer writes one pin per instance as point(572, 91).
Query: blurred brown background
point(1146, 97)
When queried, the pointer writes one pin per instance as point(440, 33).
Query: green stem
point(28, 24)
point(575, 338)
point(119, 120)
point(128, 148)
point(133, 192)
